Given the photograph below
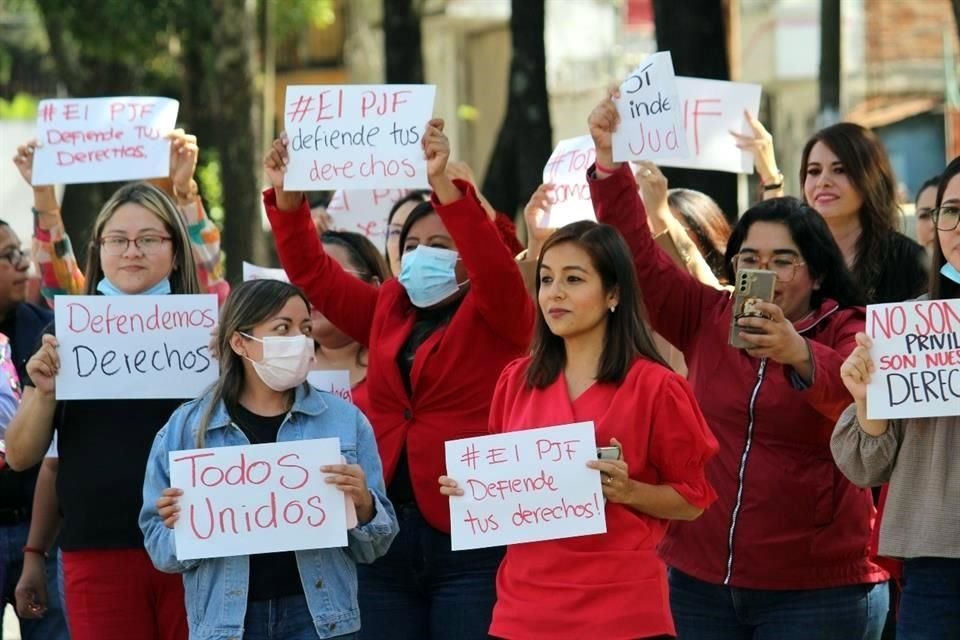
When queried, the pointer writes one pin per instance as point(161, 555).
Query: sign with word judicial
point(103, 139)
point(566, 170)
point(711, 109)
point(525, 486)
point(916, 352)
point(335, 381)
point(257, 499)
point(651, 116)
point(128, 347)
point(255, 272)
point(357, 136)
point(364, 211)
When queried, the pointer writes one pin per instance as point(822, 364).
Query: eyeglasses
point(784, 267)
point(118, 245)
point(946, 218)
point(14, 256)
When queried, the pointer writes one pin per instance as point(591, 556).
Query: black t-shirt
point(904, 274)
point(272, 575)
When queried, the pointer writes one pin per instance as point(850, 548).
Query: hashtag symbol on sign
point(301, 108)
point(470, 456)
point(47, 112)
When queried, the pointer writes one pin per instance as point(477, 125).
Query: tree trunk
point(236, 110)
point(525, 139)
point(695, 34)
point(956, 15)
point(402, 42)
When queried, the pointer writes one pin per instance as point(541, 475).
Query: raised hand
point(760, 144)
point(603, 121)
point(858, 368)
point(436, 148)
point(24, 160)
point(183, 161)
point(44, 365)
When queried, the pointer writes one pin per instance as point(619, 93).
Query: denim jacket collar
point(306, 401)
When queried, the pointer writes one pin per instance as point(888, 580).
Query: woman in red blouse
point(438, 337)
point(594, 360)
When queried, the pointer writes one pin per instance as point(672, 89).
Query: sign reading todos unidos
point(357, 136)
point(916, 351)
point(525, 486)
point(103, 139)
point(127, 347)
point(257, 499)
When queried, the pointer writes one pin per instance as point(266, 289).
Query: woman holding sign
point(783, 552)
point(264, 339)
point(917, 457)
point(140, 245)
point(439, 335)
point(594, 360)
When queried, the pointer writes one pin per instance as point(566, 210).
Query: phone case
point(750, 287)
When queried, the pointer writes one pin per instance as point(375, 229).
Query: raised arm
point(676, 302)
point(496, 285)
point(348, 302)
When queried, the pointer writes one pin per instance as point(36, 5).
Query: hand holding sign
point(44, 366)
point(276, 165)
point(653, 187)
point(858, 368)
point(759, 143)
point(603, 121)
point(350, 479)
point(168, 506)
point(24, 160)
point(183, 160)
point(436, 148)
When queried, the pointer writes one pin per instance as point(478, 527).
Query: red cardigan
point(785, 517)
point(613, 585)
point(454, 372)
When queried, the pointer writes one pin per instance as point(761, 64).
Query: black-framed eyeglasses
point(14, 256)
point(784, 266)
point(118, 245)
point(946, 218)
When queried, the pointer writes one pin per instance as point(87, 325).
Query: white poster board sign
point(254, 272)
point(103, 139)
point(525, 486)
point(916, 351)
point(711, 110)
point(129, 347)
point(356, 136)
point(651, 116)
point(567, 171)
point(364, 211)
point(257, 499)
point(335, 381)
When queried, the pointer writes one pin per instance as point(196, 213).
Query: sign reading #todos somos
point(916, 352)
point(525, 486)
point(357, 136)
point(651, 117)
point(103, 139)
point(127, 347)
point(257, 499)
point(566, 170)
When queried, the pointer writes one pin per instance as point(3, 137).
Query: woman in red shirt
point(439, 335)
point(594, 360)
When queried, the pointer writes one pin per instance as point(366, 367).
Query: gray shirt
point(920, 458)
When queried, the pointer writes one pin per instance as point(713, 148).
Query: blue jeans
point(53, 624)
point(421, 590)
point(705, 611)
point(930, 602)
point(282, 619)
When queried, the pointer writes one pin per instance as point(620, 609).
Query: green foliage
point(211, 187)
point(22, 107)
point(294, 16)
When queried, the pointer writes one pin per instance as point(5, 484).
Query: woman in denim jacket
point(262, 397)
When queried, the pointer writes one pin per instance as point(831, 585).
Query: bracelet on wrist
point(774, 183)
point(37, 550)
point(600, 167)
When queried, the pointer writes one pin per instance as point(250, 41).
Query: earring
point(613, 308)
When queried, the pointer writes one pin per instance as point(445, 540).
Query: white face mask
point(286, 360)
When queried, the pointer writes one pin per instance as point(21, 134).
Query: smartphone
point(750, 287)
point(608, 453)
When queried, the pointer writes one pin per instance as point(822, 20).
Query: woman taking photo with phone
point(262, 397)
point(438, 337)
point(594, 360)
point(917, 457)
point(786, 541)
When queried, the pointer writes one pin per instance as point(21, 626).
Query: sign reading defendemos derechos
point(916, 352)
point(135, 347)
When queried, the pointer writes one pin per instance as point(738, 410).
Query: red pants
point(118, 595)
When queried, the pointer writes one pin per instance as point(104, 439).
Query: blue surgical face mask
point(429, 275)
point(949, 271)
point(107, 288)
